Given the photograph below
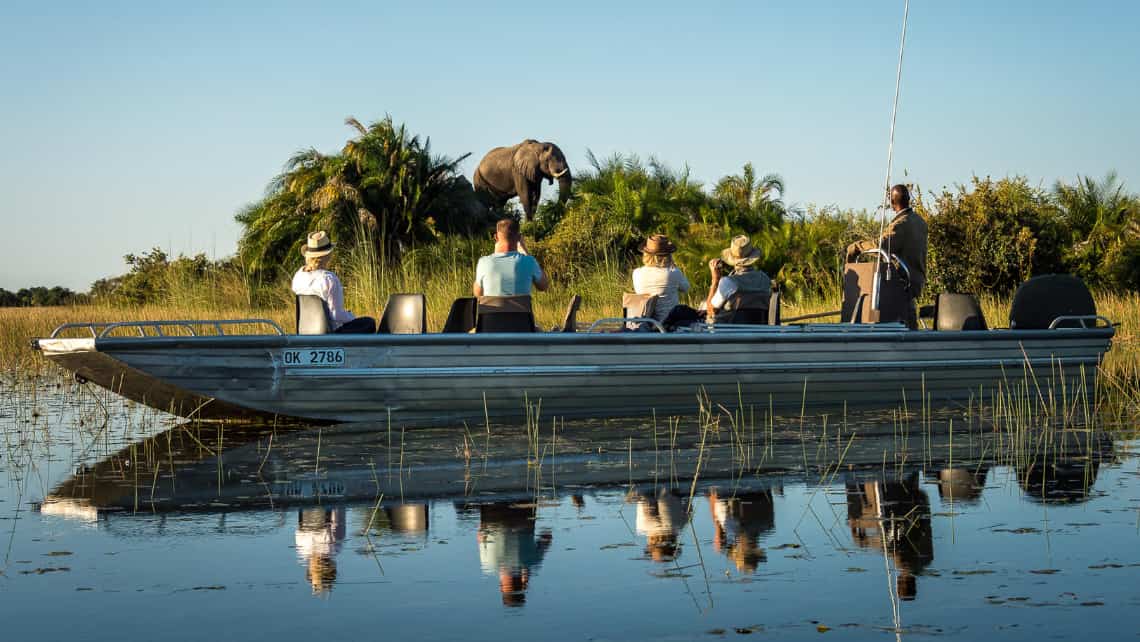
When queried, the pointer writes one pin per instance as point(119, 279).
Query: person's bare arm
point(477, 289)
point(542, 283)
point(715, 282)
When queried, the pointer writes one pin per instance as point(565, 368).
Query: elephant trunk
point(564, 182)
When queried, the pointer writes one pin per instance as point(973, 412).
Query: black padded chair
point(1040, 300)
point(570, 320)
point(747, 308)
point(461, 317)
point(404, 314)
point(953, 312)
point(312, 316)
point(504, 314)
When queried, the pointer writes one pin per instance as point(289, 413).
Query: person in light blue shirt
point(510, 271)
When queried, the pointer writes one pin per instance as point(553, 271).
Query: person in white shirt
point(660, 276)
point(314, 278)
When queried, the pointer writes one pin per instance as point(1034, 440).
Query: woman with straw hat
point(660, 276)
point(314, 278)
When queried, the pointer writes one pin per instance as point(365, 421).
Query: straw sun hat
point(740, 252)
point(658, 244)
point(318, 244)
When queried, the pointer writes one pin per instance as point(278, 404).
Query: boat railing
point(1085, 321)
point(654, 323)
point(180, 327)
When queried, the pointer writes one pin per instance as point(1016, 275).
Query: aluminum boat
point(442, 378)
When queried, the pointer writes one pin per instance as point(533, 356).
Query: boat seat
point(461, 317)
point(895, 303)
point(954, 312)
point(570, 320)
point(504, 314)
point(638, 306)
point(774, 308)
point(747, 308)
point(1040, 300)
point(312, 316)
point(404, 314)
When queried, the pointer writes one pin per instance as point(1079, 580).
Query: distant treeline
point(26, 297)
point(395, 208)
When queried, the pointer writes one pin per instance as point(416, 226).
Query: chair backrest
point(958, 312)
point(1040, 300)
point(461, 317)
point(774, 308)
point(404, 314)
point(312, 315)
point(634, 306)
point(638, 305)
point(747, 308)
point(570, 320)
point(895, 302)
point(504, 314)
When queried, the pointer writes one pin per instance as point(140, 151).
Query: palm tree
point(1103, 223)
point(750, 202)
point(385, 185)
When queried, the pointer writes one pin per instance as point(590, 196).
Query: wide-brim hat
point(658, 244)
point(740, 252)
point(318, 244)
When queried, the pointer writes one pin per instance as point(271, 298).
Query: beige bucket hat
point(318, 244)
point(740, 252)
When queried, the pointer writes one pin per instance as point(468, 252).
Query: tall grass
point(442, 272)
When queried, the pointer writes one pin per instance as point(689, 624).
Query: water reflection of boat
point(211, 467)
point(441, 378)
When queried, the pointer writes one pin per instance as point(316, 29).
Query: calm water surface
point(118, 523)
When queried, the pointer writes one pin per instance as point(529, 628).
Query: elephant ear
point(526, 160)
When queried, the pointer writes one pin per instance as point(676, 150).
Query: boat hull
point(441, 378)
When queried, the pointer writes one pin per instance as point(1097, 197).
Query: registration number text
point(312, 357)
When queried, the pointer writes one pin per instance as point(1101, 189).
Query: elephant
point(518, 170)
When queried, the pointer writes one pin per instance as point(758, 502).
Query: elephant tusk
point(559, 174)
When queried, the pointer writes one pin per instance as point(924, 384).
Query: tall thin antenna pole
point(895, 107)
point(890, 161)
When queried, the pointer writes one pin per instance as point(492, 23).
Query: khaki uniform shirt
point(905, 237)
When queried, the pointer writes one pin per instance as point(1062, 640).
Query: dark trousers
point(359, 325)
point(682, 315)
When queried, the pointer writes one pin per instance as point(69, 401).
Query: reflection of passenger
point(739, 521)
point(509, 547)
point(961, 485)
point(660, 519)
point(894, 515)
point(320, 532)
point(1058, 482)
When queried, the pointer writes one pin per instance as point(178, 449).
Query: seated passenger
point(744, 277)
point(314, 278)
point(660, 276)
point(510, 271)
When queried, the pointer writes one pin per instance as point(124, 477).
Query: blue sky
point(132, 125)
